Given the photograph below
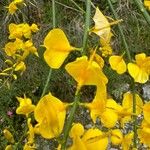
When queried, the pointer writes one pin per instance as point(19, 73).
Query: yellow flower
point(34, 28)
point(141, 69)
point(97, 106)
point(102, 26)
point(8, 136)
point(26, 30)
point(127, 141)
point(25, 107)
point(15, 31)
point(117, 63)
point(57, 48)
point(126, 110)
point(147, 3)
point(116, 137)
point(28, 48)
point(20, 30)
point(20, 66)
point(144, 133)
point(92, 139)
point(98, 109)
point(12, 8)
point(10, 48)
point(50, 114)
point(87, 72)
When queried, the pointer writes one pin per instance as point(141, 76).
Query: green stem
point(133, 84)
point(47, 82)
point(143, 10)
point(87, 25)
point(121, 31)
point(54, 13)
point(50, 71)
point(70, 120)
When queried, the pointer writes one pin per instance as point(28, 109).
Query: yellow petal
point(77, 144)
point(34, 27)
point(57, 48)
point(116, 137)
point(94, 139)
point(76, 130)
point(51, 118)
point(25, 106)
point(86, 72)
point(109, 118)
point(117, 63)
point(20, 67)
point(10, 49)
point(137, 73)
point(102, 26)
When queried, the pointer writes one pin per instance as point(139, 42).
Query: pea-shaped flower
point(92, 139)
point(25, 106)
point(118, 64)
point(140, 70)
point(50, 114)
point(57, 48)
point(87, 72)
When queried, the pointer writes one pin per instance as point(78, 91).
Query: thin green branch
point(54, 13)
point(87, 25)
point(133, 84)
point(50, 71)
point(47, 82)
point(70, 120)
point(120, 30)
point(143, 10)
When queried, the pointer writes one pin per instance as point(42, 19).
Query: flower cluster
point(19, 47)
point(47, 117)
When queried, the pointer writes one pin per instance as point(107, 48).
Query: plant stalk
point(87, 26)
point(70, 120)
point(121, 31)
point(50, 70)
point(133, 83)
point(143, 10)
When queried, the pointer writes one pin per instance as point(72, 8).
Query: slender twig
point(120, 30)
point(77, 96)
point(70, 120)
point(133, 84)
point(143, 10)
point(87, 25)
point(50, 70)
